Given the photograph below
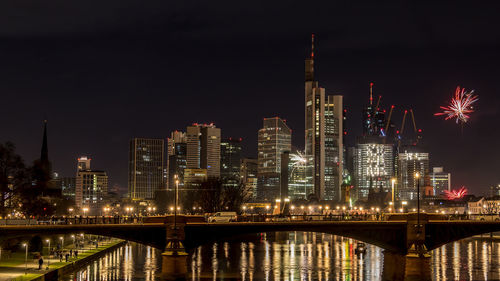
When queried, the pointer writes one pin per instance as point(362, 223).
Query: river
point(301, 256)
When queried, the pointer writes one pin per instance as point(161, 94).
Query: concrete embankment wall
point(71, 267)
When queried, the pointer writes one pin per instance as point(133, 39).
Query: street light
point(26, 259)
point(176, 200)
point(417, 176)
point(85, 210)
point(62, 242)
point(393, 181)
point(48, 253)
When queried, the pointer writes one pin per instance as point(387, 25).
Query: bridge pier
point(415, 236)
point(174, 258)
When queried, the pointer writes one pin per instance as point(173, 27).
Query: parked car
point(223, 217)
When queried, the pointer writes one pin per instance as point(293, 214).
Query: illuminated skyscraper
point(410, 162)
point(146, 168)
point(91, 188)
point(440, 180)
point(230, 158)
point(324, 149)
point(273, 139)
point(373, 167)
point(177, 151)
point(203, 148)
point(249, 176)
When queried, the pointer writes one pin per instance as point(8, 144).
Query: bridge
point(402, 235)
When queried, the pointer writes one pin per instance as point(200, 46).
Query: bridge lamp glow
point(417, 175)
point(391, 203)
point(178, 208)
point(355, 208)
point(320, 207)
point(327, 207)
point(442, 212)
point(361, 208)
point(377, 209)
point(338, 207)
point(268, 207)
point(310, 207)
point(390, 209)
point(437, 211)
point(276, 207)
point(373, 209)
point(292, 207)
point(414, 209)
point(401, 210)
point(302, 207)
point(244, 207)
point(343, 207)
point(287, 199)
point(278, 200)
point(404, 202)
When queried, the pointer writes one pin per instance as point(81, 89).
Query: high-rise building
point(324, 116)
point(249, 176)
point(177, 164)
point(203, 148)
point(273, 139)
point(298, 185)
point(230, 158)
point(373, 167)
point(410, 162)
point(440, 180)
point(177, 151)
point(146, 168)
point(91, 189)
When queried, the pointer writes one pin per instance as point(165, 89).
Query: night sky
point(103, 72)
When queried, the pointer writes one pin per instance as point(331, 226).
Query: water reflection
point(301, 256)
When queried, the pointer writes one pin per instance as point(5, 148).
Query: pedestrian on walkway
point(60, 256)
point(40, 263)
point(71, 252)
point(76, 254)
point(67, 256)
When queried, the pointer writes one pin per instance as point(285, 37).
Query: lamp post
point(393, 180)
point(417, 176)
point(62, 242)
point(48, 253)
point(26, 259)
point(176, 200)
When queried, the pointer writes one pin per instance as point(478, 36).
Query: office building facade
point(373, 168)
point(91, 188)
point(203, 148)
point(273, 139)
point(230, 157)
point(440, 180)
point(410, 162)
point(146, 168)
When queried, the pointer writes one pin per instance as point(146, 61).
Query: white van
point(223, 217)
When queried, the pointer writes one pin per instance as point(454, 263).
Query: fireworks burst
point(298, 160)
point(455, 194)
point(460, 106)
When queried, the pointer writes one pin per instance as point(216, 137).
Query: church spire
point(44, 156)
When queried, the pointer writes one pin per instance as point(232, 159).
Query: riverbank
point(14, 269)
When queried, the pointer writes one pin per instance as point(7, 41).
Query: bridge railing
point(240, 218)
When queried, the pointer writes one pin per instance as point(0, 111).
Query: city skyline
point(427, 71)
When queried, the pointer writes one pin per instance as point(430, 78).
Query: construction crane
point(402, 128)
point(417, 132)
point(389, 119)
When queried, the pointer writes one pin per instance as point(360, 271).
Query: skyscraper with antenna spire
point(323, 135)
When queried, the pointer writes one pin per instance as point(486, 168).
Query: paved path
point(8, 273)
